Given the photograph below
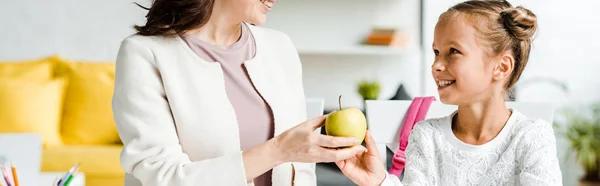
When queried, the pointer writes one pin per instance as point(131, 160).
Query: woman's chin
point(258, 20)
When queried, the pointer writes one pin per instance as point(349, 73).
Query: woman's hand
point(302, 144)
point(366, 168)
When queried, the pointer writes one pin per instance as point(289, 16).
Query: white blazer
point(176, 122)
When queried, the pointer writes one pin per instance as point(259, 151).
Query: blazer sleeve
point(151, 152)
point(304, 173)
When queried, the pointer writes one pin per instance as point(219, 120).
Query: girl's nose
point(438, 66)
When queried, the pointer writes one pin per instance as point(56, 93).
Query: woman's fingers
point(316, 123)
point(340, 164)
point(335, 142)
point(334, 155)
point(370, 143)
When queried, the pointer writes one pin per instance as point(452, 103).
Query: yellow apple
point(348, 122)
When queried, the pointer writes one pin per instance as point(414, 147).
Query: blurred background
point(378, 49)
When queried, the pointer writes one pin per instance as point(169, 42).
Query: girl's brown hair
point(172, 17)
point(501, 27)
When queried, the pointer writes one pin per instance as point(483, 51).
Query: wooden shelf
point(352, 50)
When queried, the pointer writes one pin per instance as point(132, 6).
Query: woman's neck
point(480, 122)
point(222, 28)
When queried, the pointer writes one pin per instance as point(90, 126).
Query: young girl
point(481, 49)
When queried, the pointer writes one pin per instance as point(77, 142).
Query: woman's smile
point(268, 4)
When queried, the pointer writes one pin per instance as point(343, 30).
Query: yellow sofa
point(69, 104)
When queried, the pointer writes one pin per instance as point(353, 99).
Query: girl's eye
point(436, 52)
point(454, 51)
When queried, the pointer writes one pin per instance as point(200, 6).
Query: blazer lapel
point(261, 75)
point(266, 76)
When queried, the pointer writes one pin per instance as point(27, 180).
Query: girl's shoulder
point(526, 124)
point(433, 126)
point(528, 132)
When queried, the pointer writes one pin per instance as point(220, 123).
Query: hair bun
point(520, 22)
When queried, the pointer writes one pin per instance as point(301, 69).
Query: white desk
point(48, 178)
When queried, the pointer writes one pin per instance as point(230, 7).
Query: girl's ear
point(504, 67)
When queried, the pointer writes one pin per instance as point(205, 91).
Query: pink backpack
point(416, 112)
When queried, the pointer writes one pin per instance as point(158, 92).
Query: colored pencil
point(64, 179)
point(5, 174)
point(56, 179)
point(14, 174)
point(68, 180)
point(72, 176)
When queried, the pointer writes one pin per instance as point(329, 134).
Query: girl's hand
point(302, 144)
point(367, 168)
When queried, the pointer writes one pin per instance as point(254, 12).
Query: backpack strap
point(416, 113)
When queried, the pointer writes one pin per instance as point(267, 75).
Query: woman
point(203, 98)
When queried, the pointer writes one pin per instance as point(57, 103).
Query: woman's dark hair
point(173, 17)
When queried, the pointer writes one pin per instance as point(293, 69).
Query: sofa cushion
point(62, 66)
point(88, 117)
point(32, 106)
point(94, 160)
point(39, 69)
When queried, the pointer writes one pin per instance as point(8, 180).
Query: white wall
point(93, 29)
point(342, 23)
point(565, 49)
point(90, 29)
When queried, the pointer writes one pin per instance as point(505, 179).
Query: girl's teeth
point(444, 83)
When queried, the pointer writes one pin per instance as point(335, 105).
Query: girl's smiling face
point(462, 71)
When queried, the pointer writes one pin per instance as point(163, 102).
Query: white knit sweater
point(523, 153)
